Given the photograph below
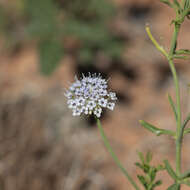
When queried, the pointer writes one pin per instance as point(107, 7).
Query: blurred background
point(43, 45)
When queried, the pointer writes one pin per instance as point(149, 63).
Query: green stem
point(176, 82)
point(170, 57)
point(118, 163)
point(182, 3)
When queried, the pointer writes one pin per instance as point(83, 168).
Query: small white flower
point(76, 112)
point(110, 105)
point(72, 104)
point(77, 92)
point(98, 112)
point(71, 88)
point(77, 84)
point(89, 95)
point(94, 97)
point(91, 105)
point(102, 102)
point(68, 94)
point(103, 92)
point(112, 96)
point(81, 101)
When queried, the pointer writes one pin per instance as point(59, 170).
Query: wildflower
point(102, 102)
point(89, 95)
point(110, 105)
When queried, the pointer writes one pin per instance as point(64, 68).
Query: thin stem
point(174, 39)
point(115, 158)
point(176, 82)
point(170, 57)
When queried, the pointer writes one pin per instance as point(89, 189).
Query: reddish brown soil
point(44, 147)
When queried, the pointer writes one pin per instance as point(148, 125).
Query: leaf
point(186, 182)
point(173, 106)
point(50, 53)
point(148, 157)
point(156, 130)
point(170, 170)
point(41, 24)
point(185, 175)
point(187, 131)
point(182, 52)
point(150, 127)
point(140, 154)
point(153, 174)
point(91, 33)
point(174, 187)
point(167, 2)
point(142, 180)
point(186, 121)
point(146, 168)
point(139, 165)
point(180, 57)
point(148, 179)
point(177, 4)
point(186, 5)
point(157, 183)
point(160, 167)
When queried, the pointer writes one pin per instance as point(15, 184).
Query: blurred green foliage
point(148, 179)
point(42, 24)
point(51, 23)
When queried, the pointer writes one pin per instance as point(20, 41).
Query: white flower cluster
point(89, 95)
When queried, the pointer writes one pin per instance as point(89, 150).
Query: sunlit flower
point(89, 95)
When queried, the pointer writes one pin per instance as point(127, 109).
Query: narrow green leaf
point(185, 175)
point(160, 167)
point(180, 57)
point(139, 165)
point(148, 157)
point(167, 2)
point(150, 127)
point(142, 180)
point(187, 131)
point(146, 168)
point(186, 122)
point(182, 52)
point(156, 130)
point(186, 5)
point(170, 170)
point(186, 182)
point(153, 174)
point(157, 183)
point(185, 13)
point(177, 4)
point(140, 154)
point(174, 187)
point(172, 106)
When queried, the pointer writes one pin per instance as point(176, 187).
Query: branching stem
point(176, 82)
point(170, 58)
